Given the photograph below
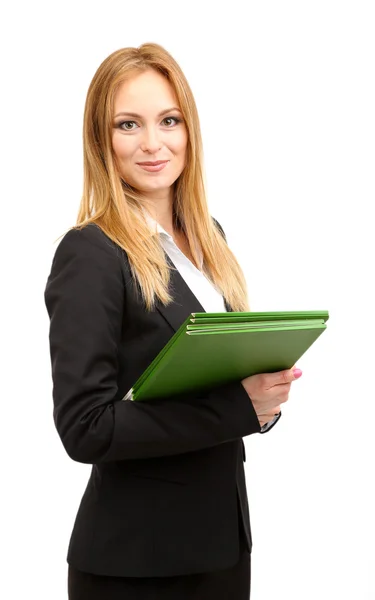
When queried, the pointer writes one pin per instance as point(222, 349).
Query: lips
point(154, 167)
point(152, 164)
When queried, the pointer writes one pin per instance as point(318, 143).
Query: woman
point(165, 511)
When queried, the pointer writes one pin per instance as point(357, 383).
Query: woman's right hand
point(268, 390)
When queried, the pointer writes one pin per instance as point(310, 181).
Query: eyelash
point(119, 125)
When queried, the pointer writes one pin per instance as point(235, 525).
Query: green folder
point(211, 349)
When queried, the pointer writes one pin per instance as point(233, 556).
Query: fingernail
point(297, 373)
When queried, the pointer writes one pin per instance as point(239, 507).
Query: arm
point(85, 301)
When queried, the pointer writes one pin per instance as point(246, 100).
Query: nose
point(151, 140)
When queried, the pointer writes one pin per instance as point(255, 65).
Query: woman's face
point(147, 128)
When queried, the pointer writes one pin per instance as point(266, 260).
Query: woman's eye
point(175, 119)
point(124, 125)
point(132, 125)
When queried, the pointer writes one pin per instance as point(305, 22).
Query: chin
point(156, 183)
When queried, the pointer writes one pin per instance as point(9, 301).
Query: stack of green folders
point(211, 349)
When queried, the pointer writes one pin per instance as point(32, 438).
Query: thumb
point(287, 376)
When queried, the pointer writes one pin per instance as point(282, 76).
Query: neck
point(161, 209)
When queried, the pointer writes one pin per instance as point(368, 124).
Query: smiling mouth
point(153, 167)
point(152, 163)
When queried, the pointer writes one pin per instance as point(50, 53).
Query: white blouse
point(205, 292)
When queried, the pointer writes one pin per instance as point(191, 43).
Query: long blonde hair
point(116, 207)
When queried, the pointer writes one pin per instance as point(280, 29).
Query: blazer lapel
point(184, 301)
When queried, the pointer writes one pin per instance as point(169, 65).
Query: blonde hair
point(116, 207)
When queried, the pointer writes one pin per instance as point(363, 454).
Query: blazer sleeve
point(84, 297)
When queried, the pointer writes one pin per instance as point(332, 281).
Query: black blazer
point(167, 487)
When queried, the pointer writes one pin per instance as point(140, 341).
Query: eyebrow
point(137, 116)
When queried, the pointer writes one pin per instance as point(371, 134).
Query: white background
point(285, 91)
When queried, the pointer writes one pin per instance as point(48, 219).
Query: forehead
point(145, 92)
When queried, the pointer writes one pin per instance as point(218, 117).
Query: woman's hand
point(268, 390)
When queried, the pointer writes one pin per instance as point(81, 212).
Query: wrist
point(270, 423)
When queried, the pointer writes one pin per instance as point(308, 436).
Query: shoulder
point(85, 265)
point(89, 241)
point(87, 256)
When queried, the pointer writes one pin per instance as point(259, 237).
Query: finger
point(281, 392)
point(287, 376)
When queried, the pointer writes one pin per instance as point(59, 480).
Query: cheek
point(122, 154)
point(121, 148)
point(181, 144)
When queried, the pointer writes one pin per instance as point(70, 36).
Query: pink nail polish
point(297, 373)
